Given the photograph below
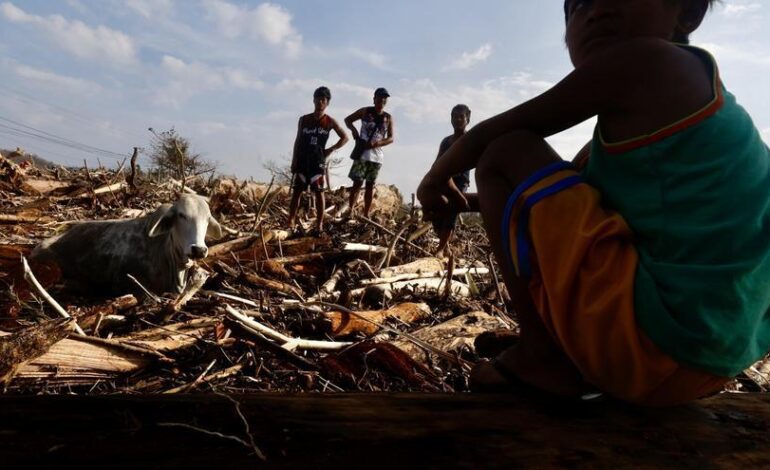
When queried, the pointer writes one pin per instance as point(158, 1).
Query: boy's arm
point(581, 159)
point(343, 138)
point(295, 151)
point(603, 84)
point(442, 147)
point(353, 118)
point(391, 136)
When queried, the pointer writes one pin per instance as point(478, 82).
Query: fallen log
point(17, 348)
point(84, 360)
point(432, 430)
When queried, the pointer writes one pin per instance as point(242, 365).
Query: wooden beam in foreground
point(381, 430)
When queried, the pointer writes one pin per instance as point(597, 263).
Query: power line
point(40, 135)
point(44, 134)
point(77, 116)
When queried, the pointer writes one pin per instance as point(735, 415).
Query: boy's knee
point(514, 155)
point(514, 143)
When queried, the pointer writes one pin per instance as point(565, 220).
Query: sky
point(85, 79)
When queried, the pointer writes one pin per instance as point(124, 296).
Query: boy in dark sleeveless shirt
point(308, 162)
point(460, 117)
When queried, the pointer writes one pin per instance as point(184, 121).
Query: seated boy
point(460, 117)
point(308, 163)
point(647, 273)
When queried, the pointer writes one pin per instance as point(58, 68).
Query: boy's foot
point(492, 343)
point(515, 366)
point(490, 376)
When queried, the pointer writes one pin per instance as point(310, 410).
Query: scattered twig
point(287, 341)
point(149, 294)
point(390, 232)
point(449, 357)
point(30, 278)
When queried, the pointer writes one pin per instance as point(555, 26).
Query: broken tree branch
point(288, 342)
point(390, 232)
point(30, 278)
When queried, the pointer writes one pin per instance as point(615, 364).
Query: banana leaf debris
point(363, 306)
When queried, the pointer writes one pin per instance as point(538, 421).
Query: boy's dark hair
point(322, 92)
point(461, 108)
point(677, 39)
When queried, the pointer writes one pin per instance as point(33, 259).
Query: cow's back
point(96, 256)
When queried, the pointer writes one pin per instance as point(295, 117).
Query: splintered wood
point(362, 306)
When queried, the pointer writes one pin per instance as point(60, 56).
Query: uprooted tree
point(170, 155)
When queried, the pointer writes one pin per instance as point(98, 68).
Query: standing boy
point(309, 156)
point(460, 117)
point(377, 131)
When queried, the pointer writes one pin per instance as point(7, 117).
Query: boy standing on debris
point(644, 270)
point(460, 117)
point(377, 131)
point(308, 161)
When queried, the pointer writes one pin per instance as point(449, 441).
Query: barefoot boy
point(460, 117)
point(309, 156)
point(647, 273)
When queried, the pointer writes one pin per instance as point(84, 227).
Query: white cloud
point(78, 6)
point(423, 101)
point(469, 59)
point(307, 86)
point(749, 56)
point(60, 82)
point(189, 79)
point(375, 59)
point(267, 22)
point(151, 8)
point(95, 43)
point(738, 10)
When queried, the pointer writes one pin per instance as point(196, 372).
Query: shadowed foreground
point(381, 430)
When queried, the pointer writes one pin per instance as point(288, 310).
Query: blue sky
point(234, 76)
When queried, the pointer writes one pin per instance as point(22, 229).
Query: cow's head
point(188, 221)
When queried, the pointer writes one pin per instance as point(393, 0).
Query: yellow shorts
point(580, 261)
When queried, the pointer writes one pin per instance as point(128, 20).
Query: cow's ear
point(164, 221)
point(214, 230)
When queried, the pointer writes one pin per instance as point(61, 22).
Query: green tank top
point(696, 194)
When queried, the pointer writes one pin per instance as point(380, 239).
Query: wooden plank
point(383, 430)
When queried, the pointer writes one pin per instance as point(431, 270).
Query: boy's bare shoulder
point(635, 53)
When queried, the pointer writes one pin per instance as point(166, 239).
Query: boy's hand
point(440, 197)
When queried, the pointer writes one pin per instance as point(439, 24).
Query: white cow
point(156, 249)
